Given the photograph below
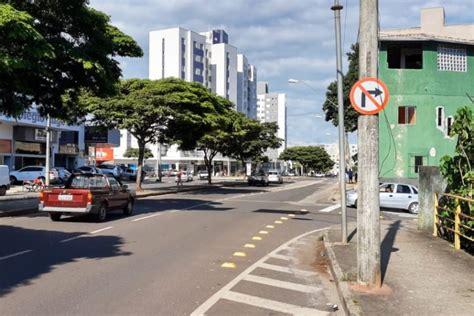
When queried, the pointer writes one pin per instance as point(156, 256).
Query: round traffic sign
point(369, 96)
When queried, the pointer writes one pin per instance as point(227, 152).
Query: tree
point(167, 110)
point(51, 50)
point(215, 140)
point(250, 139)
point(134, 153)
point(330, 105)
point(310, 157)
point(23, 53)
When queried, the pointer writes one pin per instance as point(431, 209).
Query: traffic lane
point(36, 232)
point(175, 257)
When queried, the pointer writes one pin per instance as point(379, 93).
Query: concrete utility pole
point(368, 206)
point(48, 150)
point(158, 162)
point(340, 109)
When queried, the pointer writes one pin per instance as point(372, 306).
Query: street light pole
point(340, 99)
point(48, 149)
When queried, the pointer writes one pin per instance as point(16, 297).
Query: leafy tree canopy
point(330, 105)
point(458, 169)
point(54, 49)
point(311, 157)
point(250, 139)
point(133, 153)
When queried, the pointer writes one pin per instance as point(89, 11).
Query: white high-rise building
point(246, 87)
point(271, 107)
point(207, 58)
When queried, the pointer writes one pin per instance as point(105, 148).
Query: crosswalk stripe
point(282, 257)
point(270, 304)
point(281, 284)
point(285, 269)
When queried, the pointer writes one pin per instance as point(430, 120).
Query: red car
point(93, 194)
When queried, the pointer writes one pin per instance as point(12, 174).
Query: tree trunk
point(208, 163)
point(245, 168)
point(141, 155)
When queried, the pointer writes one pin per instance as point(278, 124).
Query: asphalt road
point(166, 259)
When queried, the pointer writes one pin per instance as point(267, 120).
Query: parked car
point(172, 172)
point(258, 177)
point(87, 193)
point(319, 175)
point(203, 175)
point(110, 169)
point(291, 173)
point(392, 195)
point(186, 176)
point(31, 173)
point(131, 174)
point(4, 179)
point(274, 176)
point(63, 173)
point(88, 169)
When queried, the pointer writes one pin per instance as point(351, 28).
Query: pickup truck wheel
point(128, 210)
point(3, 190)
point(55, 216)
point(101, 214)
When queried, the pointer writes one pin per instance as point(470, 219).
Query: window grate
point(452, 58)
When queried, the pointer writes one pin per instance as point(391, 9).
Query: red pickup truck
point(87, 194)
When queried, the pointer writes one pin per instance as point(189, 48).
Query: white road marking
point(330, 208)
point(270, 304)
point(204, 307)
point(145, 217)
point(15, 254)
point(281, 257)
point(286, 270)
point(72, 238)
point(174, 211)
point(282, 284)
point(101, 230)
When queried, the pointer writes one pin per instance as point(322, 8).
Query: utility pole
point(368, 206)
point(158, 162)
point(340, 109)
point(48, 150)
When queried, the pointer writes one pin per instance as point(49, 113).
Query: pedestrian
point(350, 175)
point(355, 177)
point(179, 175)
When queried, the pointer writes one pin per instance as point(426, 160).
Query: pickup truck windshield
point(86, 182)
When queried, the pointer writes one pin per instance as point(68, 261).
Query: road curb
point(343, 289)
point(19, 212)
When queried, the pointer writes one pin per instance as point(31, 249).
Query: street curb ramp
point(343, 288)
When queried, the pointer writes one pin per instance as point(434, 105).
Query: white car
point(185, 176)
point(31, 173)
point(392, 195)
point(274, 176)
point(4, 179)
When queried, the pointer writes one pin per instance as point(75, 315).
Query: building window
point(407, 56)
point(449, 125)
point(418, 163)
point(451, 58)
point(197, 71)
point(407, 115)
point(439, 116)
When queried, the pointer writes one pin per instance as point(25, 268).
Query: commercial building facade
point(429, 71)
point(23, 142)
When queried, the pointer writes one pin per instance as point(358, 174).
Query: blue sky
point(282, 38)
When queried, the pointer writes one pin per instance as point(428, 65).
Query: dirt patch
point(321, 262)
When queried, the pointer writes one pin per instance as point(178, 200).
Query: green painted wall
point(425, 89)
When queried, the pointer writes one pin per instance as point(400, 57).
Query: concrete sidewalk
point(422, 274)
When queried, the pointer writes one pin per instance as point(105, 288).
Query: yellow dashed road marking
point(230, 265)
point(278, 222)
point(239, 254)
point(263, 232)
point(256, 238)
point(249, 246)
point(269, 226)
point(291, 215)
point(284, 218)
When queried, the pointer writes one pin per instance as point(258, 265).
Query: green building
point(429, 71)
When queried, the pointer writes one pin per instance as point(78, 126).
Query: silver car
point(274, 176)
point(392, 195)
